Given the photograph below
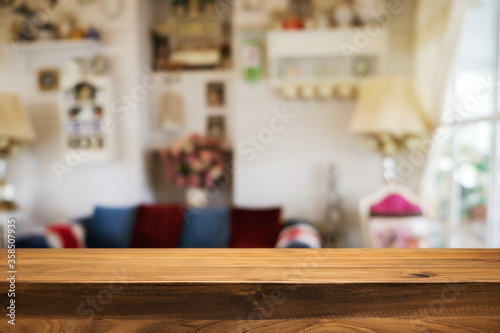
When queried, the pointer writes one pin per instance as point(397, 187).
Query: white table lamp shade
point(15, 124)
point(388, 105)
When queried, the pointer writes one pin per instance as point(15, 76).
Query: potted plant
point(195, 163)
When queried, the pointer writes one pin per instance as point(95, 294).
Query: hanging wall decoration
point(215, 94)
point(216, 127)
point(171, 113)
point(87, 119)
point(48, 80)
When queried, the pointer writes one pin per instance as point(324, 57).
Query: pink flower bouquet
point(194, 162)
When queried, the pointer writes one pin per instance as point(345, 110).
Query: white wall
point(291, 171)
point(115, 183)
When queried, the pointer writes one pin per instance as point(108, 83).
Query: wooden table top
point(289, 266)
point(262, 290)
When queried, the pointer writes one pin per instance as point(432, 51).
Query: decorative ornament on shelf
point(197, 164)
point(343, 15)
point(368, 10)
point(389, 113)
point(307, 91)
point(26, 31)
point(334, 211)
point(37, 26)
point(325, 90)
point(66, 26)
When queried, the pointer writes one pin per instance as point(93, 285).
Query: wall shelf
point(317, 43)
point(30, 50)
point(52, 45)
point(322, 59)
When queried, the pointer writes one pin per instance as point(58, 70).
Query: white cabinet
point(323, 59)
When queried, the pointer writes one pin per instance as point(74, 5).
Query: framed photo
point(86, 119)
point(85, 116)
point(216, 127)
point(48, 80)
point(216, 94)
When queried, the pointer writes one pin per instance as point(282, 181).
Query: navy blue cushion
point(32, 242)
point(85, 222)
point(206, 228)
point(111, 227)
point(298, 245)
point(295, 222)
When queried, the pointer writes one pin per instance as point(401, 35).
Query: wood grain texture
point(458, 325)
point(248, 266)
point(177, 290)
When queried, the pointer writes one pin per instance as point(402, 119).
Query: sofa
point(172, 225)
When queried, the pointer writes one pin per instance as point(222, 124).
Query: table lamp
point(389, 113)
point(15, 131)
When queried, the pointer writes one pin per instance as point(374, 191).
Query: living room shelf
point(320, 60)
point(29, 50)
point(52, 45)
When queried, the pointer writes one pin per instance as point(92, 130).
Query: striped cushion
point(299, 235)
point(65, 236)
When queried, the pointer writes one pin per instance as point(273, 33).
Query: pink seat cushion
point(395, 205)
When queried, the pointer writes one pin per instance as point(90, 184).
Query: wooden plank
point(266, 290)
point(222, 266)
point(289, 275)
point(267, 253)
point(390, 325)
point(254, 301)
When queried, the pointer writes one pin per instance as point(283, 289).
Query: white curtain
point(438, 26)
point(438, 29)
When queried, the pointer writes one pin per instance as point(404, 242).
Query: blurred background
point(344, 113)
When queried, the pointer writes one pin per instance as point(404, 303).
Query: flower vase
point(196, 197)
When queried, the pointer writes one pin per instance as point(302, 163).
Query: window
point(466, 176)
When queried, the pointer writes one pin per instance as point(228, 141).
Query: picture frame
point(216, 95)
point(87, 120)
point(216, 127)
point(48, 80)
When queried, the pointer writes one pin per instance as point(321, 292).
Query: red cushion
point(158, 226)
point(252, 228)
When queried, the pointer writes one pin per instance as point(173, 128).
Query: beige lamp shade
point(15, 124)
point(388, 105)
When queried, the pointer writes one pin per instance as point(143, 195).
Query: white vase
point(368, 10)
point(196, 197)
point(343, 15)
